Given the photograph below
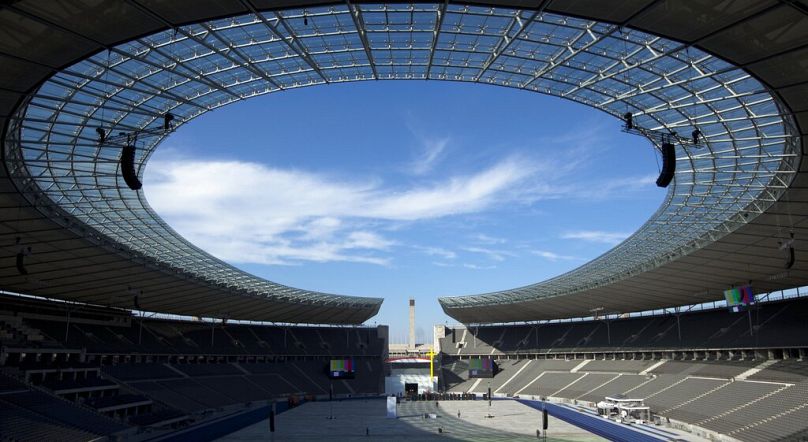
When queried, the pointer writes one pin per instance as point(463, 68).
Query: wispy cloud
point(598, 236)
point(504, 181)
point(552, 256)
point(485, 239)
point(478, 267)
point(617, 187)
point(367, 240)
point(442, 264)
point(286, 252)
point(249, 213)
point(433, 150)
point(437, 251)
point(496, 255)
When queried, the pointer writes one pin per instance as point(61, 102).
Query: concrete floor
point(512, 421)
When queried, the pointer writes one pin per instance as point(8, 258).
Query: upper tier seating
point(208, 369)
point(120, 399)
point(174, 337)
point(102, 330)
point(143, 371)
point(72, 384)
point(9, 384)
point(774, 324)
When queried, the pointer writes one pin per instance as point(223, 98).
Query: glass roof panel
point(748, 151)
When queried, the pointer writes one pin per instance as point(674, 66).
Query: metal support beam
point(359, 22)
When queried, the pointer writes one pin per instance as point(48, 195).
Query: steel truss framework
point(748, 158)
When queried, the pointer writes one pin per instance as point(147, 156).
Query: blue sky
point(404, 189)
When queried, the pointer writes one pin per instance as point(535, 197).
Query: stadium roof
point(734, 70)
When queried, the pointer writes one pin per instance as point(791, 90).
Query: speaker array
point(128, 167)
point(21, 263)
point(791, 258)
point(668, 165)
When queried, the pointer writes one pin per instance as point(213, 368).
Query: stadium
point(113, 326)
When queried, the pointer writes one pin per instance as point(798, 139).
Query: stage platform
point(512, 421)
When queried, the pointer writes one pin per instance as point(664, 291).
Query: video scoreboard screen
point(739, 298)
point(341, 369)
point(481, 368)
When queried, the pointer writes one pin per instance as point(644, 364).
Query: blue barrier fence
point(593, 424)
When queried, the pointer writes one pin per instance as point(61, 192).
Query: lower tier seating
point(757, 407)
